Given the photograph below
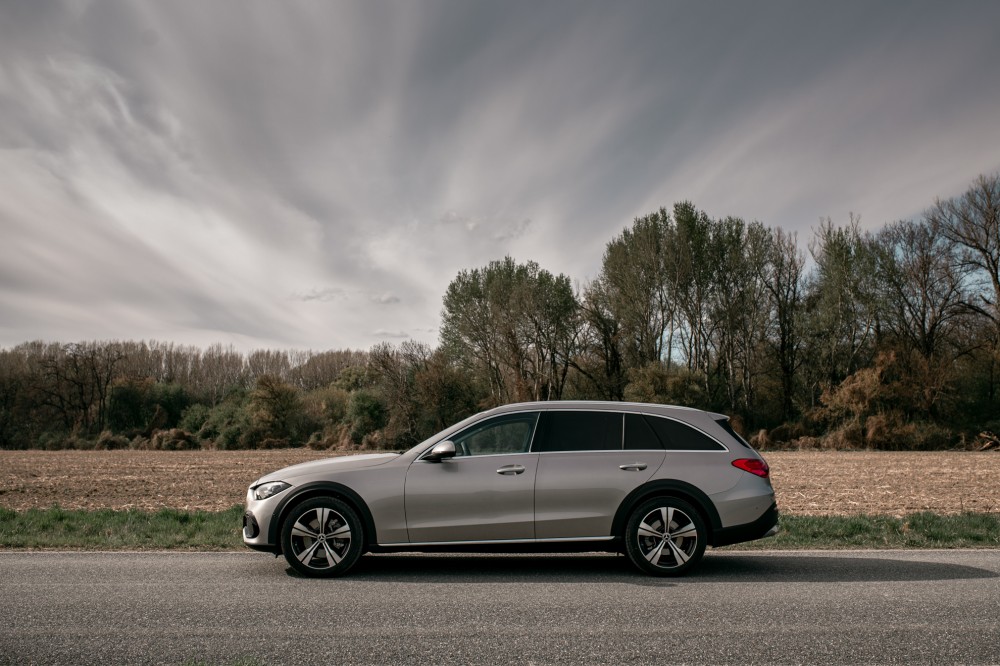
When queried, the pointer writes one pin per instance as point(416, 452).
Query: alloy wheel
point(667, 537)
point(321, 538)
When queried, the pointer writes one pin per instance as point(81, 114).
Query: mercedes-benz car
point(655, 482)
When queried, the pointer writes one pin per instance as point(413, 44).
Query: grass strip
point(916, 530)
point(107, 529)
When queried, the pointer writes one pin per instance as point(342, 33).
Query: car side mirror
point(441, 450)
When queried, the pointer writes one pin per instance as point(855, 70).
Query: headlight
point(265, 490)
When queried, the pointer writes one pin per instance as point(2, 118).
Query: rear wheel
point(665, 536)
point(322, 537)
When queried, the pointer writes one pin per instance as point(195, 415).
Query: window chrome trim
point(538, 411)
point(724, 449)
point(695, 450)
point(483, 455)
point(582, 451)
point(629, 451)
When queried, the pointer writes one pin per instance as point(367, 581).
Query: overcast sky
point(313, 174)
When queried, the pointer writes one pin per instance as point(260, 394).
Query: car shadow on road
point(604, 569)
point(829, 568)
point(479, 568)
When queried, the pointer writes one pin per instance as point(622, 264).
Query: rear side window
point(677, 436)
point(578, 431)
point(638, 434)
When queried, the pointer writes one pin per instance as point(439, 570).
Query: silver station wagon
point(655, 482)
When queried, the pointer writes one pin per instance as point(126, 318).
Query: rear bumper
point(764, 526)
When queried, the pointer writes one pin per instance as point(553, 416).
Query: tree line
point(880, 339)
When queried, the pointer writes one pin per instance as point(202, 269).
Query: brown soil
point(808, 482)
point(210, 480)
point(825, 483)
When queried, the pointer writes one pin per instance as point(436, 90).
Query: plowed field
point(813, 482)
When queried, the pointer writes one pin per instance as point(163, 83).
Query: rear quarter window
point(724, 424)
point(677, 436)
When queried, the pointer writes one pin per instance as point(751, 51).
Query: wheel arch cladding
point(316, 489)
point(667, 488)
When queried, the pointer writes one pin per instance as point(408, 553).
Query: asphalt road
point(249, 608)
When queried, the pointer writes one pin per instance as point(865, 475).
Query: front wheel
point(322, 537)
point(665, 536)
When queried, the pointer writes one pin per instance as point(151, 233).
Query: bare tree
point(220, 370)
point(396, 369)
point(925, 285)
point(273, 362)
point(601, 358)
point(972, 222)
point(924, 304)
point(312, 370)
point(786, 270)
point(75, 380)
point(842, 302)
point(690, 277)
point(739, 312)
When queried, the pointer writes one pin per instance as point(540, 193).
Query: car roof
point(606, 405)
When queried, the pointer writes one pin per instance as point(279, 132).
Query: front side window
point(510, 433)
point(578, 431)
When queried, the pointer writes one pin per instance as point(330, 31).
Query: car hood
point(327, 466)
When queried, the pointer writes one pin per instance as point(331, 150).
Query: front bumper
point(257, 521)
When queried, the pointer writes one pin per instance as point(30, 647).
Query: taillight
point(754, 466)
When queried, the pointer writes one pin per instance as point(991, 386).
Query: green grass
point(106, 529)
point(917, 530)
point(205, 530)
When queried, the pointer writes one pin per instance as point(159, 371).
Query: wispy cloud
point(383, 333)
point(384, 299)
point(512, 231)
point(323, 295)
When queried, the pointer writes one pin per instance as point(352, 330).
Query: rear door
point(584, 471)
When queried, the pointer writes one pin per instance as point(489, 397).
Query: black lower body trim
point(568, 546)
point(274, 550)
point(727, 536)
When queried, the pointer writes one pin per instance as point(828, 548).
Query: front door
point(485, 493)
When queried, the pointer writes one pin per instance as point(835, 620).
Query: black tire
point(322, 537)
point(673, 551)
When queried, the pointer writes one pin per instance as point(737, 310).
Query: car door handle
point(511, 469)
point(633, 467)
